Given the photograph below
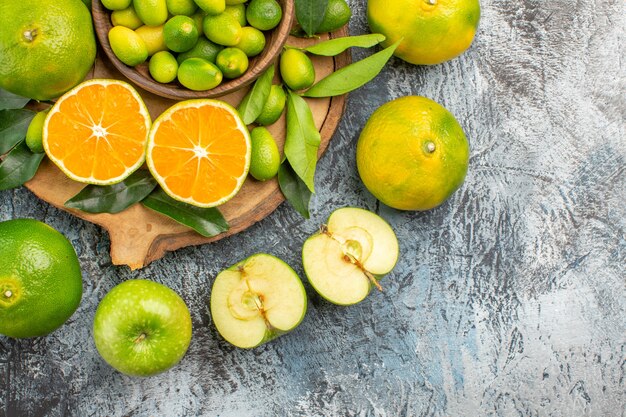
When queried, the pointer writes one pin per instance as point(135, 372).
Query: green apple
point(142, 328)
point(257, 300)
point(350, 253)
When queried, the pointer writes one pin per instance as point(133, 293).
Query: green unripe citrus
point(296, 69)
point(127, 45)
point(273, 107)
point(265, 157)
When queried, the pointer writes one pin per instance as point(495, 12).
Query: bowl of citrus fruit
point(185, 49)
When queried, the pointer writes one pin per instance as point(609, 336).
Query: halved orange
point(97, 132)
point(199, 152)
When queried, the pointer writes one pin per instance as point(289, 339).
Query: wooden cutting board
point(139, 235)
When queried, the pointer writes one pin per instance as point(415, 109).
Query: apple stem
point(141, 338)
point(373, 279)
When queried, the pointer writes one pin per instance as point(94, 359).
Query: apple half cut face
point(345, 259)
point(257, 300)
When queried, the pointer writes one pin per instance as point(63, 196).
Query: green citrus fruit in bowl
point(47, 46)
point(40, 279)
point(434, 31)
point(412, 154)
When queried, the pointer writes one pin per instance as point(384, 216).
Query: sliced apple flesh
point(345, 259)
point(256, 300)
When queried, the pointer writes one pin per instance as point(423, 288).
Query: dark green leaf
point(19, 166)
point(13, 127)
point(294, 189)
point(352, 76)
point(252, 104)
point(310, 14)
point(114, 198)
point(302, 140)
point(336, 46)
point(206, 221)
point(11, 101)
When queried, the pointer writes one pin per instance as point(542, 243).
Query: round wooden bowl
point(140, 75)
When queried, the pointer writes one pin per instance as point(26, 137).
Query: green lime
point(222, 29)
point(40, 278)
point(127, 17)
point(265, 158)
point(153, 37)
point(198, 18)
point(337, 14)
point(238, 11)
point(212, 7)
point(180, 33)
point(264, 14)
point(273, 107)
point(163, 67)
point(181, 7)
point(233, 2)
point(116, 4)
point(233, 62)
point(35, 132)
point(296, 69)
point(204, 49)
point(151, 12)
point(252, 41)
point(199, 74)
point(127, 45)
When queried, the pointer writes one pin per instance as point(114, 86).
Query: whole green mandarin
point(264, 14)
point(151, 12)
point(163, 67)
point(180, 33)
point(273, 107)
point(212, 7)
point(265, 157)
point(204, 49)
point(238, 11)
point(222, 29)
point(252, 41)
point(181, 7)
point(127, 45)
point(127, 17)
point(296, 69)
point(233, 62)
point(35, 132)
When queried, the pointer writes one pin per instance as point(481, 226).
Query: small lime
point(198, 18)
point(233, 62)
point(127, 17)
point(116, 4)
point(199, 74)
point(296, 69)
point(273, 107)
point(151, 12)
point(153, 37)
point(252, 41)
point(127, 45)
point(35, 132)
point(181, 7)
point(180, 33)
point(238, 11)
point(222, 29)
point(337, 14)
point(265, 157)
point(212, 7)
point(264, 14)
point(204, 49)
point(163, 67)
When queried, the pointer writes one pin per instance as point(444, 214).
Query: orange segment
point(199, 152)
point(97, 132)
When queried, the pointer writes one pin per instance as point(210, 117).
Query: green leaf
point(19, 166)
point(336, 46)
point(114, 198)
point(352, 76)
point(252, 104)
point(11, 101)
point(310, 14)
point(206, 221)
point(13, 126)
point(302, 140)
point(294, 189)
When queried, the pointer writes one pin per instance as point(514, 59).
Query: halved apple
point(257, 300)
point(350, 253)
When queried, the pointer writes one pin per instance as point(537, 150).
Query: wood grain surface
point(508, 300)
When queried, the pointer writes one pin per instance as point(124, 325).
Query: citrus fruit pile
point(200, 45)
point(47, 46)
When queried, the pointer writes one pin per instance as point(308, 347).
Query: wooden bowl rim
point(102, 24)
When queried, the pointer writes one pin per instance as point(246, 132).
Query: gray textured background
point(508, 300)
